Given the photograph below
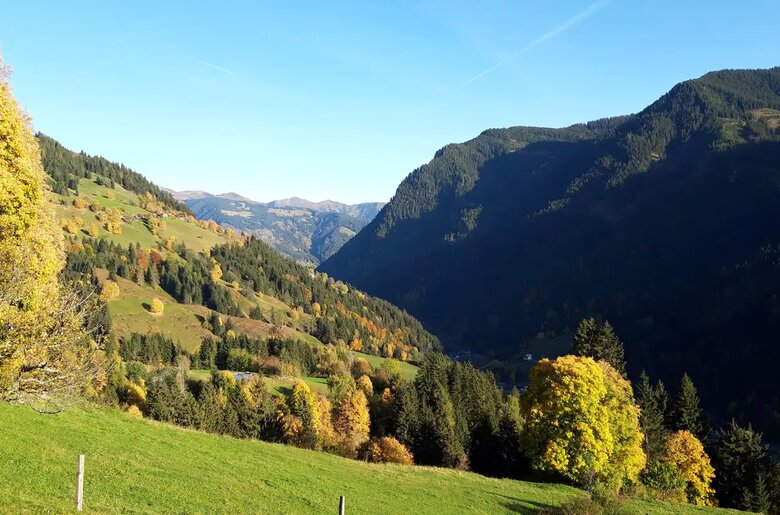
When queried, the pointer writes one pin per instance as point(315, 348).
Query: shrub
point(664, 481)
point(389, 450)
point(156, 306)
point(134, 411)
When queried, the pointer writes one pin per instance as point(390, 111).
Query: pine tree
point(651, 418)
point(742, 462)
point(688, 415)
point(600, 343)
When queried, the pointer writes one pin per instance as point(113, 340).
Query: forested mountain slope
point(664, 222)
point(148, 243)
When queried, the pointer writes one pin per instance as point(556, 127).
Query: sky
point(341, 100)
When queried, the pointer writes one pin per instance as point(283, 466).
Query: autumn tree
point(352, 422)
point(156, 306)
point(365, 385)
point(44, 353)
point(581, 421)
point(216, 271)
point(599, 342)
point(385, 449)
point(93, 230)
point(686, 452)
point(301, 417)
point(110, 291)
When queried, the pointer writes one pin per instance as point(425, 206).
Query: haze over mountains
point(664, 222)
point(306, 231)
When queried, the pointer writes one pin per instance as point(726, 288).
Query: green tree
point(652, 416)
point(742, 463)
point(600, 343)
point(688, 415)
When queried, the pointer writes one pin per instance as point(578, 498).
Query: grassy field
point(138, 466)
point(193, 236)
point(277, 385)
point(408, 371)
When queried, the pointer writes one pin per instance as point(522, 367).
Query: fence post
point(80, 484)
point(341, 505)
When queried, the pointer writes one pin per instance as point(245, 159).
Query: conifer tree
point(742, 462)
point(651, 418)
point(600, 343)
point(688, 415)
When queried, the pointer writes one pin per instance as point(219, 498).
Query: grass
point(278, 385)
point(130, 314)
point(139, 466)
point(408, 371)
point(195, 237)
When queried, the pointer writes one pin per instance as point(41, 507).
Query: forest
point(662, 222)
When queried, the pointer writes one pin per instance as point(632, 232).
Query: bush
point(664, 482)
point(156, 306)
point(134, 411)
point(385, 450)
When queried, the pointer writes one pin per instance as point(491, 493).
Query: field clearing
point(139, 466)
point(408, 371)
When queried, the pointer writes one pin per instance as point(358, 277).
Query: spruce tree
point(688, 414)
point(600, 343)
point(742, 462)
point(652, 417)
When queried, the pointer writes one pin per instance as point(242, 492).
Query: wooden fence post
point(341, 505)
point(80, 484)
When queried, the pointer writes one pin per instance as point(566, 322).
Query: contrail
point(216, 67)
point(563, 27)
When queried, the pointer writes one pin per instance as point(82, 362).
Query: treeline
point(66, 167)
point(365, 323)
point(579, 420)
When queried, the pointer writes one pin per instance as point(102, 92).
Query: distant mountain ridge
point(664, 222)
point(306, 231)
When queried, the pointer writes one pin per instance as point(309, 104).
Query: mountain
point(309, 232)
point(280, 296)
point(365, 211)
point(664, 222)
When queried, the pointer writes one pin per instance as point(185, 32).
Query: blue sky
point(341, 100)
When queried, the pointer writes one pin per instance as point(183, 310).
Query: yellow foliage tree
point(110, 195)
point(387, 450)
point(93, 230)
point(113, 227)
point(94, 206)
point(80, 203)
point(352, 423)
point(582, 422)
point(687, 453)
point(156, 306)
point(365, 385)
point(110, 291)
point(216, 271)
point(43, 351)
point(302, 423)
